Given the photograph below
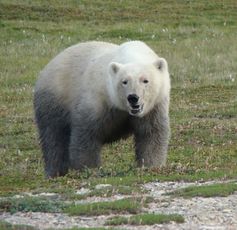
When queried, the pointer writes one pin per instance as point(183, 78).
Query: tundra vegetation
point(198, 39)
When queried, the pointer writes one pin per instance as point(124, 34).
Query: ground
point(198, 39)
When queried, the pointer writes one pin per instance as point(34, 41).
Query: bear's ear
point(161, 64)
point(114, 67)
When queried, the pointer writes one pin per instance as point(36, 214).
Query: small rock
point(47, 194)
point(18, 196)
point(101, 186)
point(83, 191)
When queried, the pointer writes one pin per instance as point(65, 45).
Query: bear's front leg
point(151, 138)
point(84, 149)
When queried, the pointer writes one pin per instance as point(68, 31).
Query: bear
point(94, 93)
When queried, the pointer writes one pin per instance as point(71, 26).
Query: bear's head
point(137, 88)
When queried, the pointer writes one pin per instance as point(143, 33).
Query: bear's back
point(73, 60)
point(135, 51)
point(64, 70)
point(82, 69)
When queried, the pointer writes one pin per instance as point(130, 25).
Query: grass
point(220, 189)
point(145, 219)
point(87, 228)
point(105, 208)
point(198, 39)
point(7, 226)
point(30, 204)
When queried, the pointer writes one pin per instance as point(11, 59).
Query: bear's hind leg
point(54, 133)
point(54, 143)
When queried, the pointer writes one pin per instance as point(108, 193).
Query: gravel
point(199, 213)
point(214, 213)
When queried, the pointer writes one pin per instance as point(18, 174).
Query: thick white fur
point(82, 74)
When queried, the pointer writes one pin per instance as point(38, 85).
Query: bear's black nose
point(133, 99)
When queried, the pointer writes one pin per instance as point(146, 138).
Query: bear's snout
point(134, 107)
point(132, 99)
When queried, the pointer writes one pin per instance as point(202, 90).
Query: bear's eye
point(125, 82)
point(145, 81)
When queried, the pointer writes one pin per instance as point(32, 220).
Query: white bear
point(95, 93)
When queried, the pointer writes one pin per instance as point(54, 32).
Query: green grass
point(198, 39)
point(105, 208)
point(7, 226)
point(87, 228)
point(220, 189)
point(145, 219)
point(30, 204)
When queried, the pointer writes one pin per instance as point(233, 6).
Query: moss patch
point(145, 219)
point(104, 208)
point(30, 204)
point(87, 229)
point(7, 226)
point(220, 189)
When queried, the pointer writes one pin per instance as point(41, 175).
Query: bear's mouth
point(136, 109)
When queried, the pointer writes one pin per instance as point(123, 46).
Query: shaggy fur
point(80, 104)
